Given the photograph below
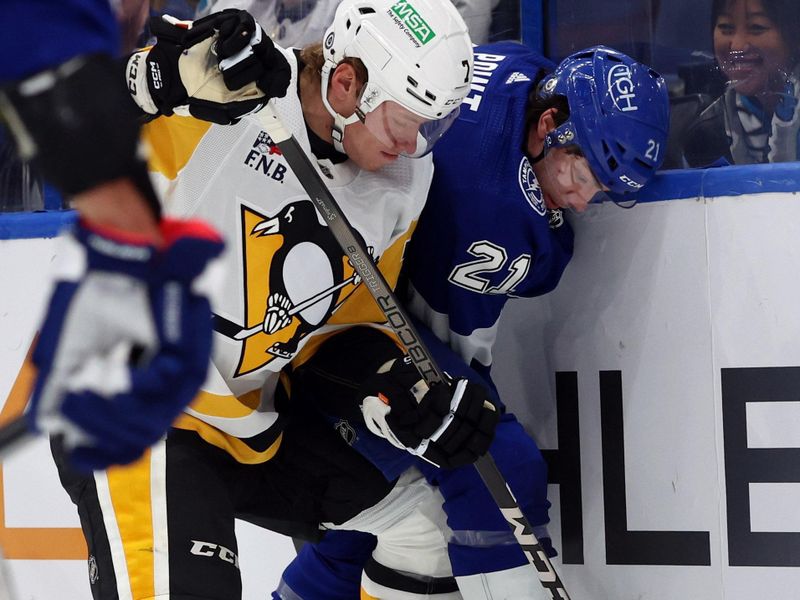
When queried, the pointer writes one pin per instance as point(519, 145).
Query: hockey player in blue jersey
point(532, 140)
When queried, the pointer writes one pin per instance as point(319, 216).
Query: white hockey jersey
point(287, 283)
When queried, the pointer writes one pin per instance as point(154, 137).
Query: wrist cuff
point(136, 77)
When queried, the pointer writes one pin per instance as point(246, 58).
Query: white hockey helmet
point(418, 57)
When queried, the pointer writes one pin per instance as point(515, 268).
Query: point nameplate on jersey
point(482, 69)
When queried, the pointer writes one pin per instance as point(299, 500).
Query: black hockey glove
point(218, 68)
point(449, 424)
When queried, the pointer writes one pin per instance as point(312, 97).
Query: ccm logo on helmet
point(627, 180)
point(620, 86)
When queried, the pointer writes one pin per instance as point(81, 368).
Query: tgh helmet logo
point(329, 41)
point(620, 86)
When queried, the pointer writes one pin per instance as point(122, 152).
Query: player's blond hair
point(313, 59)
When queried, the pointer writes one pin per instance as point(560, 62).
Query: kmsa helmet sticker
point(530, 186)
point(412, 23)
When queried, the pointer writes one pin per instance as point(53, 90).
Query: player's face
point(378, 137)
point(567, 180)
point(366, 150)
point(750, 48)
point(564, 175)
point(396, 127)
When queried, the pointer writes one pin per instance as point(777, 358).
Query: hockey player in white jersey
point(368, 104)
point(532, 140)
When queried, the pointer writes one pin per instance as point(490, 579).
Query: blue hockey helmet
point(619, 115)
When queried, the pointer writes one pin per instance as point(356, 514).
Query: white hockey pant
point(412, 532)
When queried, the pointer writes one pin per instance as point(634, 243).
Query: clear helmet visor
point(571, 181)
point(401, 130)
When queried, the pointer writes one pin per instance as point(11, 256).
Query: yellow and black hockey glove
point(218, 68)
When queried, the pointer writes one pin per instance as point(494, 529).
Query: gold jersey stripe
point(234, 446)
point(128, 486)
point(226, 406)
point(172, 141)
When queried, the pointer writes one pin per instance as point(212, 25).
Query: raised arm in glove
point(218, 68)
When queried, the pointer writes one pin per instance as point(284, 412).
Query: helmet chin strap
point(339, 122)
point(535, 159)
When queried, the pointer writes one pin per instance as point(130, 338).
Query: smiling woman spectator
point(757, 47)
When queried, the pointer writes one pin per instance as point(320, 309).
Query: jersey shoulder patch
point(530, 186)
point(517, 77)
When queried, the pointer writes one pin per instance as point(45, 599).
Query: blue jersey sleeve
point(45, 33)
point(485, 234)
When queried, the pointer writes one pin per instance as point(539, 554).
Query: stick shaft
point(13, 435)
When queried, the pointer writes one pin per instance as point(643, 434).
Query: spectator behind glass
point(20, 187)
point(20, 190)
point(757, 47)
point(296, 23)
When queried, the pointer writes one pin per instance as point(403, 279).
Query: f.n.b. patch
point(530, 186)
point(266, 157)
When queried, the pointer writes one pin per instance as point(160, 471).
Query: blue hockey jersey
point(45, 33)
point(485, 234)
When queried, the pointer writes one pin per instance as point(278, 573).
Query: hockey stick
point(341, 229)
point(246, 333)
point(13, 435)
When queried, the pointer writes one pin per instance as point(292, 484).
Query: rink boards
point(662, 378)
point(669, 359)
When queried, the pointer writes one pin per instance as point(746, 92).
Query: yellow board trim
point(34, 543)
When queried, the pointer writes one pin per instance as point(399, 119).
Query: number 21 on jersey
point(491, 258)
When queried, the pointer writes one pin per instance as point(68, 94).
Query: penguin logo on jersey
point(295, 278)
point(530, 186)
